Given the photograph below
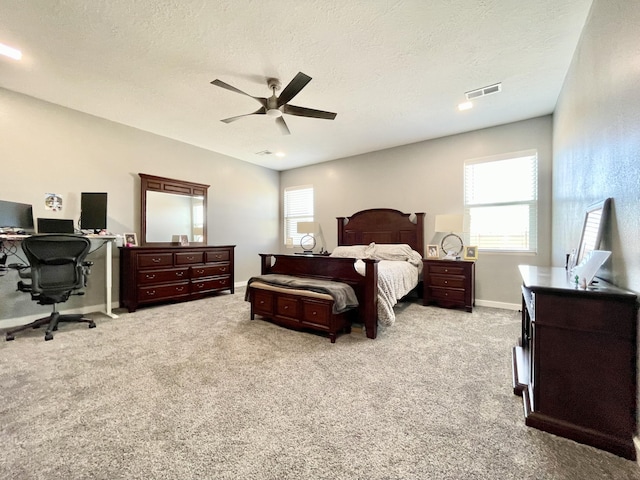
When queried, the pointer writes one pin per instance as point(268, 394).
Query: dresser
point(449, 283)
point(150, 275)
point(575, 362)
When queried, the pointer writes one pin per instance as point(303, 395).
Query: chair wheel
point(92, 325)
point(48, 336)
point(10, 337)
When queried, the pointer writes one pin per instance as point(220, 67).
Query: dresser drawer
point(448, 281)
point(217, 256)
point(262, 302)
point(216, 283)
point(210, 270)
point(159, 292)
point(189, 258)
point(316, 314)
point(162, 276)
point(287, 307)
point(447, 269)
point(450, 295)
point(149, 260)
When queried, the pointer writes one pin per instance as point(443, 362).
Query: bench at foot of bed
point(298, 309)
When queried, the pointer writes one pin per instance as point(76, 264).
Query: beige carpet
point(198, 391)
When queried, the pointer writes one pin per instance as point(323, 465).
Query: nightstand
point(449, 283)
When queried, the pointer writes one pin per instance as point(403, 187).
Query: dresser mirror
point(594, 221)
point(173, 212)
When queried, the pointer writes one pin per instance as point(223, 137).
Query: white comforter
point(395, 280)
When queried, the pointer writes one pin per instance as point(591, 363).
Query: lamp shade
point(307, 227)
point(449, 223)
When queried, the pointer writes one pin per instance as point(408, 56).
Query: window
point(501, 202)
point(298, 207)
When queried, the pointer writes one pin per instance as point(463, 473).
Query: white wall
point(51, 149)
point(428, 177)
point(596, 139)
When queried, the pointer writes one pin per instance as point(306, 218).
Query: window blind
point(501, 202)
point(298, 207)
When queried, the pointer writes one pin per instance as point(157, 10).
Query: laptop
point(55, 225)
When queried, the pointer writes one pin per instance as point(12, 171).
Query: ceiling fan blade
point(294, 87)
point(220, 83)
point(308, 112)
point(260, 111)
point(283, 126)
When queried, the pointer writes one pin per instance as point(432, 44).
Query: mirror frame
point(152, 183)
point(590, 222)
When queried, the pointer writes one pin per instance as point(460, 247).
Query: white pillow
point(353, 251)
point(400, 252)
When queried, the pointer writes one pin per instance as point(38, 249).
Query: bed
point(379, 255)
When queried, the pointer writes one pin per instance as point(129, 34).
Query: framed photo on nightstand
point(433, 251)
point(471, 252)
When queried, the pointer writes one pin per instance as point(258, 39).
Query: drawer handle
point(446, 282)
point(218, 256)
point(223, 269)
point(179, 274)
point(179, 289)
point(190, 257)
point(261, 302)
point(199, 272)
point(286, 307)
point(151, 293)
point(314, 313)
point(156, 260)
point(199, 285)
point(150, 277)
point(446, 270)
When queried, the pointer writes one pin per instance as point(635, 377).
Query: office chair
point(57, 269)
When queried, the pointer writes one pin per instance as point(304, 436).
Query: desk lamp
point(451, 243)
point(308, 241)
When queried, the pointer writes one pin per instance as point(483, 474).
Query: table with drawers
point(449, 283)
point(150, 275)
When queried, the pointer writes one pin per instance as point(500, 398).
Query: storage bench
point(298, 309)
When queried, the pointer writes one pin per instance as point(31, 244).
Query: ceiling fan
point(277, 106)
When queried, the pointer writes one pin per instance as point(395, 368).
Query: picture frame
point(130, 239)
point(433, 251)
point(471, 252)
point(182, 240)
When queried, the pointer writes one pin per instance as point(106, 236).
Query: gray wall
point(428, 177)
point(50, 149)
point(596, 139)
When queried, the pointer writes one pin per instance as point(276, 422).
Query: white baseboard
point(636, 442)
point(503, 305)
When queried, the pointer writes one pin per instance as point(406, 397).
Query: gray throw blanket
point(343, 295)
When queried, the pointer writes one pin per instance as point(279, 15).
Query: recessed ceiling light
point(281, 154)
point(465, 106)
point(11, 52)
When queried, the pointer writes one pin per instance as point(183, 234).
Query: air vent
point(484, 91)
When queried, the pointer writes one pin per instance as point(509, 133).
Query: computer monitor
point(16, 217)
point(93, 211)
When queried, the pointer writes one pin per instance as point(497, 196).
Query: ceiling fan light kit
point(274, 106)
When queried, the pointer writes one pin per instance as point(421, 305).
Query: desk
point(98, 240)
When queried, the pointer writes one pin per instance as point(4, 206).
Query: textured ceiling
point(393, 70)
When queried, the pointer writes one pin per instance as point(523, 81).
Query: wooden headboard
point(382, 225)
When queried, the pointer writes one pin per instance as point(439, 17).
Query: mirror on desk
point(171, 208)
point(593, 228)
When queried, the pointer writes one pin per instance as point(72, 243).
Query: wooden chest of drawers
point(151, 275)
point(449, 283)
